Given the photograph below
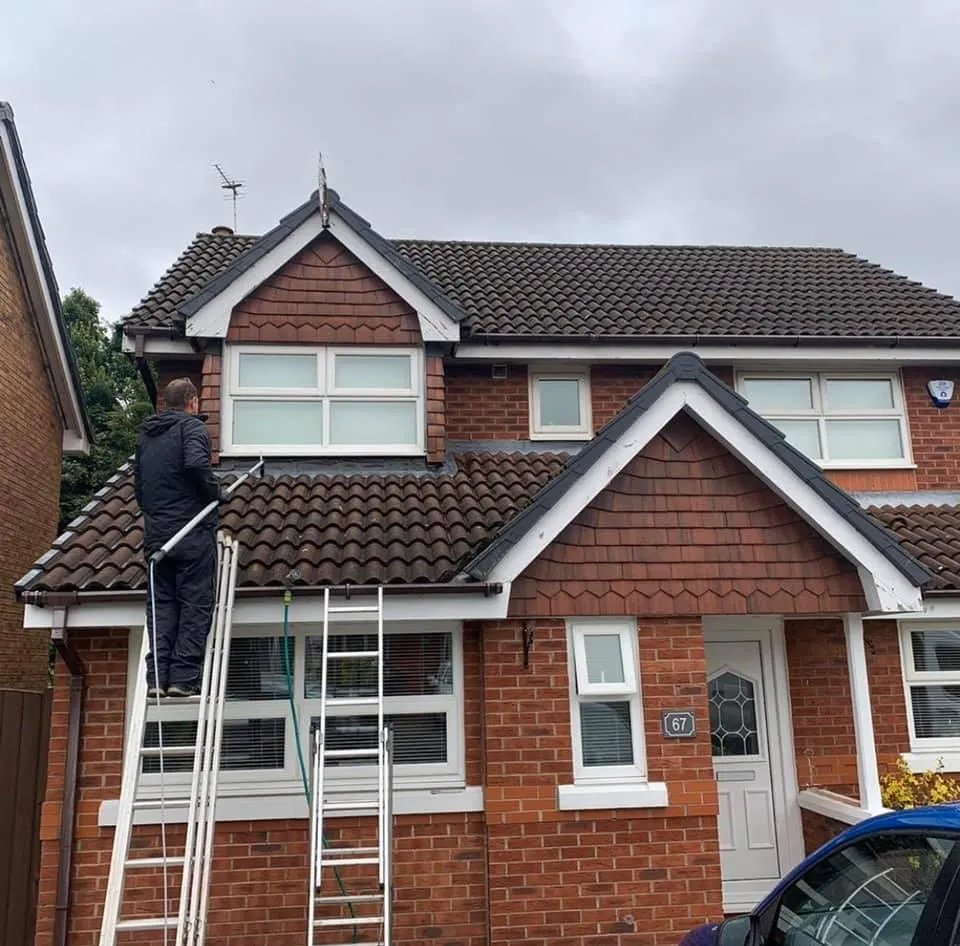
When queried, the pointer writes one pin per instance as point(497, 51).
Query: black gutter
point(71, 659)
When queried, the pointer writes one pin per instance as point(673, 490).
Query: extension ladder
point(329, 751)
point(194, 862)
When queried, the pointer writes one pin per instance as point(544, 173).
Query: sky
point(647, 121)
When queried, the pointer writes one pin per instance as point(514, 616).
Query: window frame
point(326, 393)
point(818, 378)
point(578, 373)
point(911, 677)
point(261, 782)
point(629, 692)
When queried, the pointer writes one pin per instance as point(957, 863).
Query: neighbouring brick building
point(610, 491)
point(41, 406)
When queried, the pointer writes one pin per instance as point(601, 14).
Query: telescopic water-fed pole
point(175, 539)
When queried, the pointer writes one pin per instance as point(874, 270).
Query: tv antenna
point(234, 187)
point(322, 191)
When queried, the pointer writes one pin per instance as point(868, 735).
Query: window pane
point(873, 891)
point(803, 434)
point(418, 738)
point(373, 371)
point(733, 716)
point(247, 744)
point(936, 651)
point(416, 665)
point(277, 371)
point(256, 670)
point(936, 711)
point(778, 394)
point(864, 440)
point(277, 422)
point(559, 402)
point(858, 394)
point(606, 734)
point(604, 658)
point(373, 422)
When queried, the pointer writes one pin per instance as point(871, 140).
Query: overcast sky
point(657, 121)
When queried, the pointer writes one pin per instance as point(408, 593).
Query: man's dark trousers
point(184, 590)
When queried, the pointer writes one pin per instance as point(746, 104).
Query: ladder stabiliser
point(325, 909)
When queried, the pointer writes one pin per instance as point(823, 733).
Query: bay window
point(836, 419)
point(309, 400)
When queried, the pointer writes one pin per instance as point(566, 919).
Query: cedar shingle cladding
point(686, 529)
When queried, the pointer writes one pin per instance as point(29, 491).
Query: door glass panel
point(870, 893)
point(733, 716)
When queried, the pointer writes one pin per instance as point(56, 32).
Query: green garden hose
point(287, 597)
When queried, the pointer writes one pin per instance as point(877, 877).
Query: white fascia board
point(213, 319)
point(67, 394)
point(832, 805)
point(933, 609)
point(886, 589)
point(303, 610)
point(723, 353)
point(435, 324)
point(159, 345)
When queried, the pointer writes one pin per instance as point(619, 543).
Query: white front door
point(746, 742)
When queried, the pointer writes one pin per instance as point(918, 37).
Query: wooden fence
point(24, 730)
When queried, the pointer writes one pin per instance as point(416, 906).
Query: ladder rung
point(351, 805)
point(155, 861)
point(155, 751)
point(355, 609)
point(333, 851)
point(353, 654)
point(347, 921)
point(356, 898)
point(147, 923)
point(351, 753)
point(352, 701)
point(351, 861)
point(151, 804)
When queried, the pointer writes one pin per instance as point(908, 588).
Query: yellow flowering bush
point(902, 788)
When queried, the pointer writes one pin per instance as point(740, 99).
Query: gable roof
point(891, 577)
point(16, 193)
point(585, 291)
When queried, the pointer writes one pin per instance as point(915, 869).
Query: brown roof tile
point(579, 290)
point(333, 528)
point(931, 534)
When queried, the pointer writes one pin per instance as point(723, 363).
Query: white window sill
point(616, 795)
point(292, 806)
point(853, 466)
point(922, 760)
point(560, 435)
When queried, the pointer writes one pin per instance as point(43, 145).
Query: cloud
point(574, 120)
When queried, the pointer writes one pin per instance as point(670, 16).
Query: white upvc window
point(560, 407)
point(930, 657)
point(839, 419)
point(301, 400)
point(606, 713)
point(423, 685)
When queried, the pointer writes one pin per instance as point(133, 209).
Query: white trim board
point(269, 611)
point(212, 319)
point(886, 589)
point(726, 353)
point(840, 808)
point(160, 345)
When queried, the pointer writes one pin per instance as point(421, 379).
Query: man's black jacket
point(172, 476)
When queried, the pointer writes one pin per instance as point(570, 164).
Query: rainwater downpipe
point(72, 661)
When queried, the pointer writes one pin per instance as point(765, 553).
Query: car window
point(869, 893)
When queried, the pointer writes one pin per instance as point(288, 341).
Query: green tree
point(116, 400)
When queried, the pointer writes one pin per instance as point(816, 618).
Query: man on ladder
point(173, 482)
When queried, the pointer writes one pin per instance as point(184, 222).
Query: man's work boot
point(154, 692)
point(183, 691)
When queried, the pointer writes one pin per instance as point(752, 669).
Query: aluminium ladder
point(329, 751)
point(194, 863)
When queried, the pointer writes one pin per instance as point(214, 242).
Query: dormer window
point(310, 400)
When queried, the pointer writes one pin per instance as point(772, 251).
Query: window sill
point(292, 806)
point(616, 795)
point(921, 760)
point(848, 466)
point(561, 436)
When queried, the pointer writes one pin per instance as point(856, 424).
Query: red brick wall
point(687, 529)
point(436, 410)
point(935, 433)
point(568, 876)
point(31, 437)
point(818, 829)
point(259, 876)
point(822, 709)
point(481, 407)
point(167, 371)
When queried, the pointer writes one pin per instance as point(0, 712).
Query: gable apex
point(891, 578)
point(207, 312)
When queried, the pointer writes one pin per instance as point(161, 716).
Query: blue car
point(892, 880)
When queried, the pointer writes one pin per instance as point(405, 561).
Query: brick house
point(713, 475)
point(42, 416)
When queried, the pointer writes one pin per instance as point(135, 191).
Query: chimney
point(222, 231)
